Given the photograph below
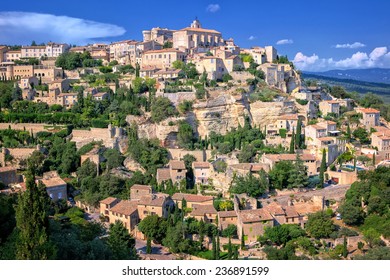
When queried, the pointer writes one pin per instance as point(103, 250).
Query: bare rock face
point(132, 165)
point(219, 114)
point(264, 113)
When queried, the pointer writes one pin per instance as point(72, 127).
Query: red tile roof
point(125, 207)
point(177, 164)
point(108, 200)
point(199, 164)
point(257, 215)
point(226, 214)
point(201, 210)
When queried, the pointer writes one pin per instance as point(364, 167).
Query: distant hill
point(374, 75)
point(362, 87)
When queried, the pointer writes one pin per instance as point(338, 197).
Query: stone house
point(56, 187)
point(226, 218)
point(107, 204)
point(206, 213)
point(125, 211)
point(138, 191)
point(253, 223)
point(309, 160)
point(176, 171)
point(154, 204)
point(381, 140)
point(8, 175)
point(192, 199)
point(330, 106)
point(370, 117)
point(202, 172)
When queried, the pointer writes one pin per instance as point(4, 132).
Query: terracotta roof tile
point(199, 164)
point(177, 164)
point(108, 200)
point(125, 207)
point(226, 214)
point(201, 210)
point(257, 215)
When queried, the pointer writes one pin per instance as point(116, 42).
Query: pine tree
point(32, 222)
point(322, 169)
point(121, 243)
point(292, 144)
point(298, 175)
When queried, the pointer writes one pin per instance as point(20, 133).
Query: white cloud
point(23, 27)
point(284, 42)
point(355, 45)
point(251, 38)
point(379, 57)
point(212, 8)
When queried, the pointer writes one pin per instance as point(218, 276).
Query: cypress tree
point(214, 248)
point(230, 252)
point(298, 135)
point(32, 222)
point(218, 248)
point(348, 133)
point(137, 70)
point(242, 240)
point(373, 159)
point(345, 249)
point(322, 169)
point(235, 255)
point(292, 144)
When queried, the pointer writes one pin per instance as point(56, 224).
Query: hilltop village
point(195, 147)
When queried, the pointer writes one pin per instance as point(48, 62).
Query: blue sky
point(317, 35)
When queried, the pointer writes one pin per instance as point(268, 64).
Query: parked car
point(338, 216)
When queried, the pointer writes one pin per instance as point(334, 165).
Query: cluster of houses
point(247, 217)
point(205, 48)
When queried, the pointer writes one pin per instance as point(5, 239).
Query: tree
point(352, 214)
point(153, 227)
point(280, 174)
point(361, 134)
point(298, 135)
point(121, 243)
point(292, 143)
point(230, 249)
point(242, 239)
point(348, 134)
point(250, 184)
point(345, 247)
point(218, 248)
point(322, 169)
point(247, 153)
point(214, 248)
point(235, 254)
point(298, 177)
point(32, 222)
point(137, 68)
point(185, 136)
point(114, 158)
point(229, 231)
point(371, 236)
point(148, 246)
point(162, 108)
point(226, 78)
point(319, 225)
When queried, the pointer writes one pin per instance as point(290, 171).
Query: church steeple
point(196, 23)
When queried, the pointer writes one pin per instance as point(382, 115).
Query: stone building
point(370, 117)
point(175, 171)
point(253, 223)
point(196, 36)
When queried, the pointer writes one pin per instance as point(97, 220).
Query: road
point(159, 252)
